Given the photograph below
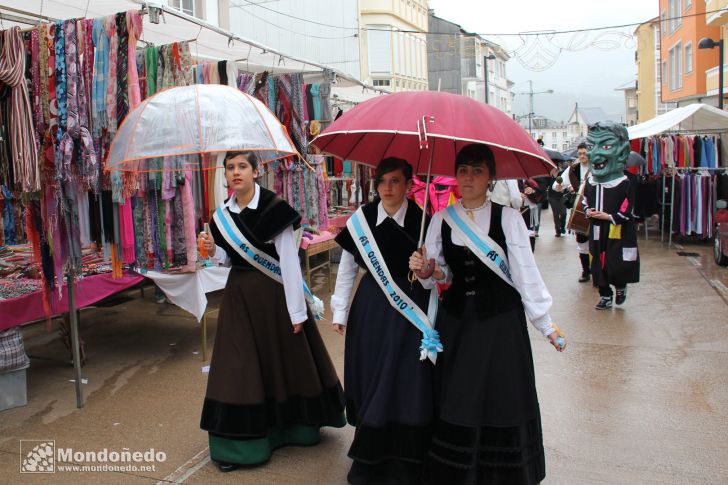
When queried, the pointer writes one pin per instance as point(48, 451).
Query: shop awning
point(210, 42)
point(694, 117)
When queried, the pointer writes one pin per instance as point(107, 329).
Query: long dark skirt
point(489, 425)
point(389, 390)
point(267, 386)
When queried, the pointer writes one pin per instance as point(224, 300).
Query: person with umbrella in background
point(271, 380)
point(488, 429)
point(556, 201)
point(389, 390)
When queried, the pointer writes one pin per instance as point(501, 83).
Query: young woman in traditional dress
point(388, 387)
point(271, 381)
point(488, 429)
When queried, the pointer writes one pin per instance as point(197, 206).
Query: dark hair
point(249, 155)
point(475, 154)
point(582, 146)
point(616, 129)
point(392, 164)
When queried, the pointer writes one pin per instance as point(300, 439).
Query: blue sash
point(372, 256)
point(258, 259)
point(485, 248)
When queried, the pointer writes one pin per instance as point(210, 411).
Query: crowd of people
point(439, 380)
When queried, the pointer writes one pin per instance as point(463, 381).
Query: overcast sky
point(589, 75)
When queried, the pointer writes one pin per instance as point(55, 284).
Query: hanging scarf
point(22, 136)
point(101, 76)
point(150, 63)
point(122, 69)
point(134, 27)
point(111, 82)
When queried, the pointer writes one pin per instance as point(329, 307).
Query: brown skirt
point(263, 377)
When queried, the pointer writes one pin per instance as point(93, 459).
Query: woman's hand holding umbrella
point(425, 268)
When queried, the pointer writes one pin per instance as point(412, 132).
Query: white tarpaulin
point(210, 42)
point(694, 117)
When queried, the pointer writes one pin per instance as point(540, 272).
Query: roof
point(628, 85)
point(592, 115)
point(693, 117)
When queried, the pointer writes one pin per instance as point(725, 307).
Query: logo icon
point(38, 456)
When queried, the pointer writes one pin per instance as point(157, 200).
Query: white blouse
point(348, 270)
point(285, 244)
point(526, 276)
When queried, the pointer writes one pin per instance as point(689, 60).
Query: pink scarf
point(134, 25)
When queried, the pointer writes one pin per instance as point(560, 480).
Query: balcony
point(711, 80)
point(716, 19)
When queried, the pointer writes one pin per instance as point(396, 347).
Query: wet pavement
point(639, 396)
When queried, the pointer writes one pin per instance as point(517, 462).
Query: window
point(673, 11)
point(688, 58)
point(553, 145)
point(564, 147)
point(381, 82)
point(553, 135)
point(185, 6)
point(664, 71)
point(675, 59)
point(380, 49)
point(564, 134)
point(688, 4)
point(663, 21)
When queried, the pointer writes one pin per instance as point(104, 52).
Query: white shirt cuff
point(298, 317)
point(544, 324)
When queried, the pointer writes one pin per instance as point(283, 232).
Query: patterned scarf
point(111, 118)
point(122, 69)
point(101, 75)
point(135, 27)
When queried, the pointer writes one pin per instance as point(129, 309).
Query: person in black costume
point(488, 428)
point(389, 390)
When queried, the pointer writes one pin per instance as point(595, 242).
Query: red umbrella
point(408, 124)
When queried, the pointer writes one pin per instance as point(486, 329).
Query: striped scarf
point(22, 135)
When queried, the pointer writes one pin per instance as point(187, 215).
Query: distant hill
point(558, 106)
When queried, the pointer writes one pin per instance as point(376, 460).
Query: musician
point(609, 203)
point(570, 183)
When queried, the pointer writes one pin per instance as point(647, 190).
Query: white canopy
point(210, 41)
point(693, 117)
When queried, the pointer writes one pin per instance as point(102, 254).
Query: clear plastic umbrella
point(188, 120)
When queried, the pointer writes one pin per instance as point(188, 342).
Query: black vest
point(259, 226)
point(473, 279)
point(396, 243)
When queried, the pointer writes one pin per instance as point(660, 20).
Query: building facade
point(683, 65)
point(456, 62)
point(630, 102)
point(215, 12)
point(554, 134)
point(717, 18)
point(393, 44)
point(649, 70)
point(324, 32)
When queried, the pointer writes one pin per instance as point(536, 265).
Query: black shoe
point(621, 296)
point(558, 234)
point(227, 467)
point(605, 303)
point(585, 276)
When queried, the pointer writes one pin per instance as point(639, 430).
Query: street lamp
point(485, 73)
point(708, 43)
point(531, 93)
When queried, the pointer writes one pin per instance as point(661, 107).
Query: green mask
point(608, 151)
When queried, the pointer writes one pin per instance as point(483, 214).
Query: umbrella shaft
point(427, 196)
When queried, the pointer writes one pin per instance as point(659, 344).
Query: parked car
point(720, 248)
